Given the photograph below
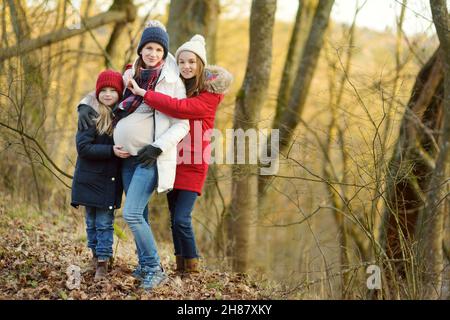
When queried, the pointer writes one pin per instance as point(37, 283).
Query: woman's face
point(152, 53)
point(187, 62)
point(108, 96)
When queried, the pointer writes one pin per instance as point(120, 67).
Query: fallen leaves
point(34, 260)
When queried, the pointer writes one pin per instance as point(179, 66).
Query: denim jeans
point(100, 231)
point(139, 183)
point(181, 203)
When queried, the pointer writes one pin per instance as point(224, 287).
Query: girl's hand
point(134, 87)
point(120, 153)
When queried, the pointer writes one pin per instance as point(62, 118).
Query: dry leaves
point(34, 260)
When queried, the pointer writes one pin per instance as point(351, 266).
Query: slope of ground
point(36, 251)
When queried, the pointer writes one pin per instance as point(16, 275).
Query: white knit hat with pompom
point(196, 45)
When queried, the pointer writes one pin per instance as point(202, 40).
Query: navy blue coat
point(97, 179)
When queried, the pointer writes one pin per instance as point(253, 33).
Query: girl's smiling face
point(187, 62)
point(108, 96)
point(152, 53)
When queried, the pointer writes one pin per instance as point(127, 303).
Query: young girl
point(205, 87)
point(97, 183)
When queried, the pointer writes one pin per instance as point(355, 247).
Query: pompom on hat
point(109, 78)
point(196, 45)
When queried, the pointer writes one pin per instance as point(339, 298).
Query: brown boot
point(101, 271)
point(180, 264)
point(191, 265)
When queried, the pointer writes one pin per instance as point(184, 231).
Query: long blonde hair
point(103, 122)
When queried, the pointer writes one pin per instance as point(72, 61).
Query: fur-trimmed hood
point(91, 100)
point(218, 79)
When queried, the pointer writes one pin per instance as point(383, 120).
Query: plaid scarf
point(131, 102)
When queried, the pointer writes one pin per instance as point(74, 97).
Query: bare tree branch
point(66, 33)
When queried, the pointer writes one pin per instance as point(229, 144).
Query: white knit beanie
point(196, 45)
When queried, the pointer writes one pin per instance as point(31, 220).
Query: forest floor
point(37, 249)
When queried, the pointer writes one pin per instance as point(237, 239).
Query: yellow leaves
point(119, 232)
point(63, 295)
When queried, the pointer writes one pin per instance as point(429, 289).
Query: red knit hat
point(109, 78)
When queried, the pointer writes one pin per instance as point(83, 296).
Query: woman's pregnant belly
point(134, 132)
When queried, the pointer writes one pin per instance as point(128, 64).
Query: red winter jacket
point(201, 112)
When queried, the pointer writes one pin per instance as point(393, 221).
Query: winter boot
point(191, 265)
point(180, 264)
point(102, 270)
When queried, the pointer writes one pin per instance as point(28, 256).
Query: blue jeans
point(100, 231)
point(139, 183)
point(181, 203)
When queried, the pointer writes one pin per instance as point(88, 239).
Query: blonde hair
point(103, 122)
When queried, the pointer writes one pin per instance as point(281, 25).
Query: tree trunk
point(57, 67)
point(31, 113)
point(287, 116)
point(412, 164)
point(290, 118)
point(249, 101)
point(112, 48)
point(68, 107)
point(187, 18)
point(431, 222)
point(302, 26)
